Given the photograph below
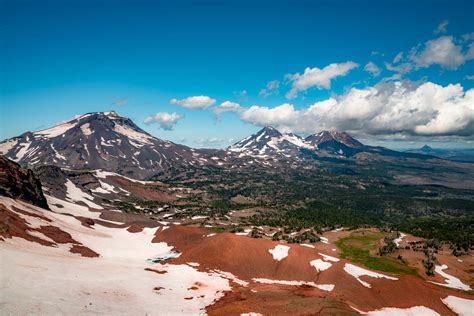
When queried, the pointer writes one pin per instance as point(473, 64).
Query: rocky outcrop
point(20, 183)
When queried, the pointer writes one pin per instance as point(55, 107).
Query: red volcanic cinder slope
point(249, 259)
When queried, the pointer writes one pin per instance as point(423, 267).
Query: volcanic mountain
point(334, 143)
point(340, 137)
point(269, 143)
point(111, 142)
point(101, 140)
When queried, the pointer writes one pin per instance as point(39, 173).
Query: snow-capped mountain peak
point(269, 143)
point(99, 140)
point(254, 141)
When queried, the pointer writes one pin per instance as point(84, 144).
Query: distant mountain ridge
point(269, 143)
point(109, 141)
point(458, 154)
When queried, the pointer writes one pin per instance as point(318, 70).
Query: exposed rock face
point(339, 137)
point(20, 183)
point(53, 180)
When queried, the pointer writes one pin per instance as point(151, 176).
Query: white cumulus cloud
point(372, 68)
point(120, 102)
point(316, 77)
point(271, 88)
point(384, 109)
point(441, 51)
point(398, 57)
point(441, 28)
point(283, 116)
point(165, 120)
point(194, 102)
point(226, 106)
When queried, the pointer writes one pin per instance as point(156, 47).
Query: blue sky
point(63, 58)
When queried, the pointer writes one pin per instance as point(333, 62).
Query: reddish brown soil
point(156, 271)
point(16, 209)
point(12, 225)
point(135, 228)
point(249, 258)
point(279, 300)
point(56, 234)
point(149, 192)
point(463, 270)
point(84, 251)
point(88, 222)
point(128, 219)
point(245, 257)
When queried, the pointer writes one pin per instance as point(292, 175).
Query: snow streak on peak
point(269, 142)
point(99, 140)
point(63, 127)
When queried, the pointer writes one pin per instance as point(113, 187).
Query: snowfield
point(411, 311)
point(324, 240)
point(57, 130)
point(7, 145)
point(86, 129)
point(102, 174)
point(328, 257)
point(451, 281)
point(461, 306)
point(77, 195)
point(320, 265)
point(99, 285)
point(141, 138)
point(120, 281)
point(280, 252)
point(398, 240)
point(324, 287)
point(130, 275)
point(357, 272)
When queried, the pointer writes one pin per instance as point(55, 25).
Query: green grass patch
point(217, 230)
point(357, 247)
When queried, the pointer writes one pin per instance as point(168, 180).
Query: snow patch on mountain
point(324, 287)
point(75, 194)
point(357, 272)
point(86, 129)
point(451, 281)
point(280, 252)
point(24, 147)
point(320, 265)
point(7, 145)
point(461, 306)
point(140, 138)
